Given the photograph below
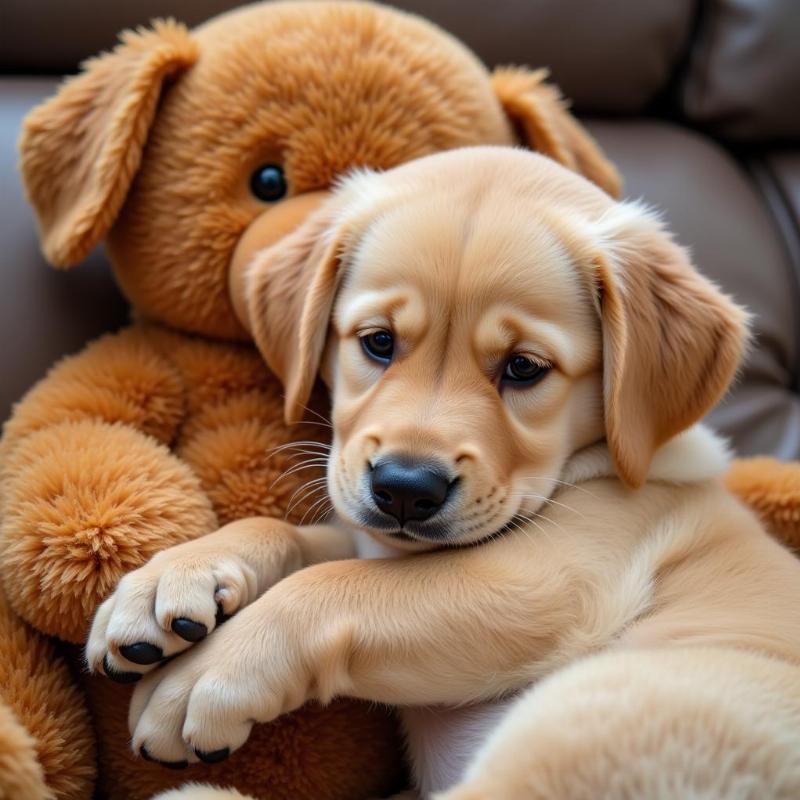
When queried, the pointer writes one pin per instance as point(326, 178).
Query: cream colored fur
point(196, 791)
point(614, 573)
point(690, 723)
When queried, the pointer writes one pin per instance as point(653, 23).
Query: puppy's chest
point(442, 742)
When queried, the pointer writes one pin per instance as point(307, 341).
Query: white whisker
point(517, 527)
point(299, 468)
point(550, 500)
point(318, 415)
point(536, 524)
point(300, 444)
point(559, 482)
point(312, 422)
point(319, 462)
point(309, 488)
point(322, 499)
point(323, 514)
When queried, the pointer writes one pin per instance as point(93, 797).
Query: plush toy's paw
point(84, 503)
point(203, 705)
point(772, 489)
point(163, 608)
point(47, 743)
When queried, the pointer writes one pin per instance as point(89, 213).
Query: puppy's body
point(516, 362)
point(680, 581)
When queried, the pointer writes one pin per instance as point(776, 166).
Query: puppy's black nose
point(408, 491)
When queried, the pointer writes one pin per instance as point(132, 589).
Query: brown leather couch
point(697, 101)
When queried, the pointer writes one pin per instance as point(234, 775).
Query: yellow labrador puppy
point(517, 364)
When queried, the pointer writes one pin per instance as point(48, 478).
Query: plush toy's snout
point(264, 231)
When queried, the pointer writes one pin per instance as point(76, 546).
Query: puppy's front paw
point(202, 706)
point(172, 602)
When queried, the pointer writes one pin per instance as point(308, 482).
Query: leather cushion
point(714, 209)
point(785, 168)
point(777, 173)
point(743, 81)
point(610, 56)
point(43, 313)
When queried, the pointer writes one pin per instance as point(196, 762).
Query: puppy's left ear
point(672, 342)
point(543, 123)
point(288, 290)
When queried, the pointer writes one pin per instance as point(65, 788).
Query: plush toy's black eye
point(523, 370)
point(379, 346)
point(268, 183)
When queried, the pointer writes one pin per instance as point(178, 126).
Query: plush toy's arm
point(772, 489)
point(119, 378)
point(88, 488)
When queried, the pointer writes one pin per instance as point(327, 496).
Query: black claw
point(119, 677)
point(174, 764)
point(189, 629)
point(168, 764)
point(215, 756)
point(142, 653)
point(145, 755)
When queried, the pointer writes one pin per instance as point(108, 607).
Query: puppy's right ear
point(672, 341)
point(81, 148)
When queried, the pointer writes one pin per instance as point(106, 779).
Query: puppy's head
point(480, 316)
point(188, 150)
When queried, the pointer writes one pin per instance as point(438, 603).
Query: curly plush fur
point(771, 488)
point(316, 753)
point(47, 747)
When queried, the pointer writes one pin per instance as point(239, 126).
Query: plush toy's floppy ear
point(81, 149)
point(671, 340)
point(289, 290)
point(544, 124)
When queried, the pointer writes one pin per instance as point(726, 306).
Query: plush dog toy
point(182, 151)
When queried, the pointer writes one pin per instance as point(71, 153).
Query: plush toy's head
point(189, 151)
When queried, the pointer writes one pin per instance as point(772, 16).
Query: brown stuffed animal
point(174, 149)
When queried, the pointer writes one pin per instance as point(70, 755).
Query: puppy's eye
point(268, 183)
point(379, 346)
point(522, 370)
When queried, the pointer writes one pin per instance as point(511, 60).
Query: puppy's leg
point(181, 594)
point(667, 724)
point(447, 628)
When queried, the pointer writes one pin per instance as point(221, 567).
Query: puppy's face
point(480, 316)
point(464, 363)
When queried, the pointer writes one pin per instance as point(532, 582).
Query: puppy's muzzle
point(408, 491)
